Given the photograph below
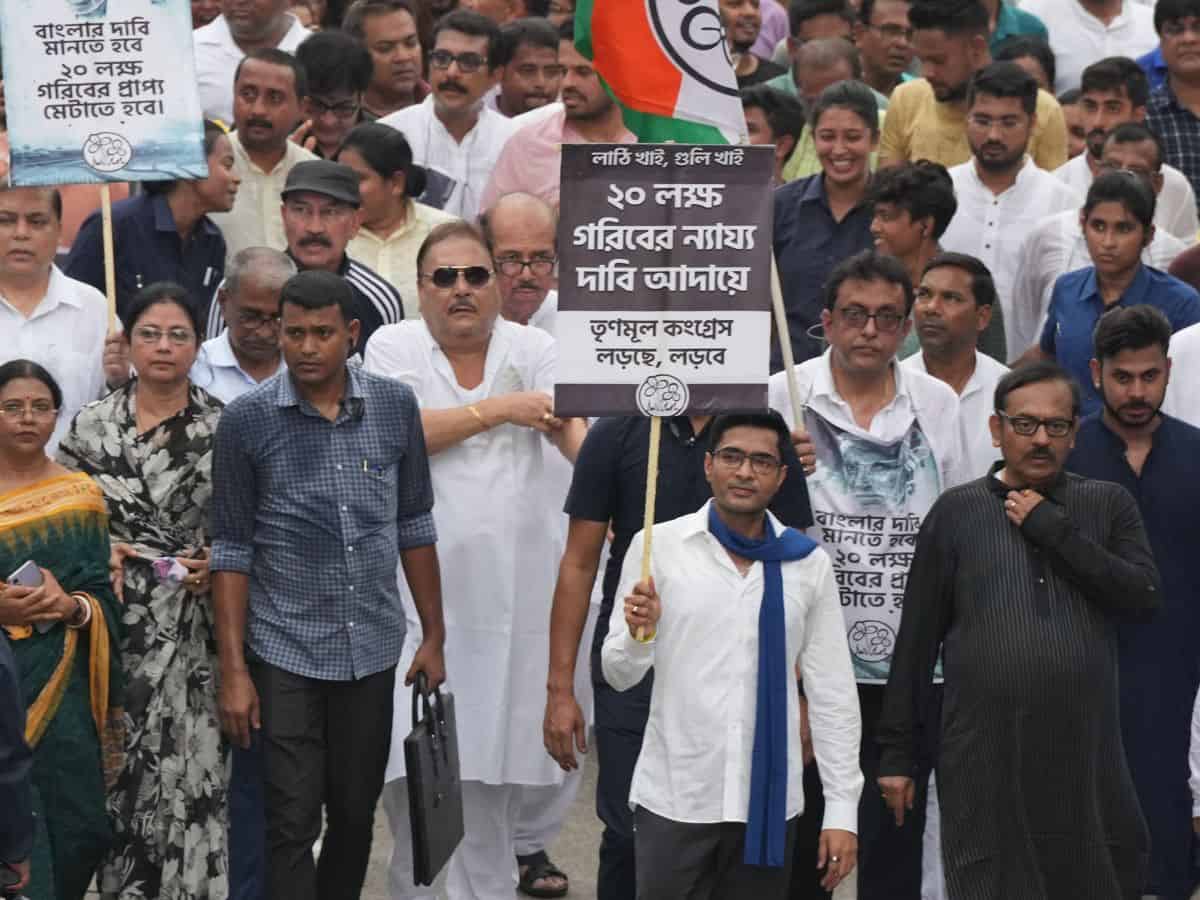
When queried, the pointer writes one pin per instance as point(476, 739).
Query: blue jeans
point(247, 823)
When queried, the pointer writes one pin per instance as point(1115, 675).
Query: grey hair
point(262, 261)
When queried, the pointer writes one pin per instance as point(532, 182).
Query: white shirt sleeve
point(388, 353)
point(1194, 758)
point(624, 659)
point(833, 709)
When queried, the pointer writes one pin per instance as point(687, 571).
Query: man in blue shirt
point(1118, 224)
point(16, 762)
point(1154, 457)
point(320, 487)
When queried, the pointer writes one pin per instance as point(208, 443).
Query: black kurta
point(1036, 798)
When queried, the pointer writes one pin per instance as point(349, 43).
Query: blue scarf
point(766, 821)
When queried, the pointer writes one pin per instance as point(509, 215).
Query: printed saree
point(70, 679)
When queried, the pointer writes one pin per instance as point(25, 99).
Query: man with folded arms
point(744, 604)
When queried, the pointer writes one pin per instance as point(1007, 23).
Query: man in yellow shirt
point(926, 118)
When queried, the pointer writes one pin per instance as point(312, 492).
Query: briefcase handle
point(437, 732)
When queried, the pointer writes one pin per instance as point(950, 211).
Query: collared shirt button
point(349, 549)
point(344, 507)
point(339, 467)
point(349, 624)
point(350, 588)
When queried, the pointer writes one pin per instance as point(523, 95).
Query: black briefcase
point(434, 786)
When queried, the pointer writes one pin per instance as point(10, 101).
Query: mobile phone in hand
point(30, 576)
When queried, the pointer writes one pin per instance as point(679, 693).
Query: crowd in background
point(335, 356)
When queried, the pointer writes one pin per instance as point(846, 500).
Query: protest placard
point(101, 90)
point(664, 282)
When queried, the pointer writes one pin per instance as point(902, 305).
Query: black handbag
point(434, 783)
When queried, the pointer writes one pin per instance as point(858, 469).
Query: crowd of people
point(922, 629)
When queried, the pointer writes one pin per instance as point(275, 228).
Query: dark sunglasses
point(447, 276)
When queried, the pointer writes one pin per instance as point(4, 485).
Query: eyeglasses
point(447, 276)
point(887, 321)
point(893, 32)
point(1027, 426)
point(148, 334)
point(1180, 27)
point(255, 320)
point(38, 409)
point(985, 123)
point(731, 458)
point(467, 62)
point(513, 266)
point(347, 109)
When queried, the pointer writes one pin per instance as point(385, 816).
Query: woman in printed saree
point(64, 634)
point(148, 445)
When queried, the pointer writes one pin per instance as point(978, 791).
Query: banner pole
point(785, 346)
point(651, 497)
point(110, 268)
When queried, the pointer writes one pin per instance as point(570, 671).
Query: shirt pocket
point(378, 495)
point(71, 369)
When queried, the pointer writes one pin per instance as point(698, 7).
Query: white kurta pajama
point(500, 540)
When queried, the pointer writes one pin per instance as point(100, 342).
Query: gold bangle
point(473, 410)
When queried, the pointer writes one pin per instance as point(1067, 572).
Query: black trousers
point(325, 747)
point(702, 861)
point(889, 858)
point(620, 724)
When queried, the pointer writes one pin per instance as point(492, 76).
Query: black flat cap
point(320, 176)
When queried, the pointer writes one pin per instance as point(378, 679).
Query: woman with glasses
point(1118, 224)
point(825, 218)
point(165, 234)
point(64, 633)
point(393, 223)
point(149, 447)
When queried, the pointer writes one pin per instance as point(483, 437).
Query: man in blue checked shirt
point(320, 486)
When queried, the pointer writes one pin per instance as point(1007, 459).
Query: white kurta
point(500, 540)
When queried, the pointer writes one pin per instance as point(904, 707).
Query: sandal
point(538, 867)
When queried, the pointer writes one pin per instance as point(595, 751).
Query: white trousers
point(482, 868)
point(933, 876)
point(541, 812)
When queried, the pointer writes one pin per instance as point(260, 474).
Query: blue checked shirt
point(1179, 129)
point(316, 512)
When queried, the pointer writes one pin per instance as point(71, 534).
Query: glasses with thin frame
point(887, 321)
point(345, 110)
point(254, 320)
point(447, 276)
point(1027, 426)
point(148, 334)
point(513, 266)
point(731, 458)
point(467, 62)
point(38, 409)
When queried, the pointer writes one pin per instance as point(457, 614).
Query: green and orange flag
point(666, 62)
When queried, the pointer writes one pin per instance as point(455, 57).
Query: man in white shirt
point(1114, 92)
point(887, 444)
point(1083, 31)
point(1001, 192)
point(269, 87)
point(737, 603)
point(521, 232)
point(1183, 400)
point(221, 45)
point(953, 306)
point(247, 352)
point(453, 134)
point(1056, 245)
point(44, 315)
point(484, 387)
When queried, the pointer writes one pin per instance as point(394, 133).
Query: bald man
point(520, 230)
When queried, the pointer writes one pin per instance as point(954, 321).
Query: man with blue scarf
point(736, 607)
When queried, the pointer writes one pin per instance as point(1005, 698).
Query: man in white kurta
point(1183, 400)
point(453, 134)
point(484, 388)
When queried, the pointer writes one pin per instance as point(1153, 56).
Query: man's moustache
point(461, 306)
point(452, 86)
point(316, 240)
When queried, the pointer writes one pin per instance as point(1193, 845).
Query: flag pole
point(651, 498)
point(110, 268)
point(785, 347)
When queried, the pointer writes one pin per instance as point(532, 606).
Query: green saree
point(70, 679)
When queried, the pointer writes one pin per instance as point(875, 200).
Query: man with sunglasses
point(453, 133)
point(1019, 582)
point(887, 444)
point(484, 387)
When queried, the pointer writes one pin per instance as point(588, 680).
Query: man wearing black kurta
point(1154, 457)
point(1020, 578)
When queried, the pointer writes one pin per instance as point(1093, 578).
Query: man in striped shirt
point(320, 217)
